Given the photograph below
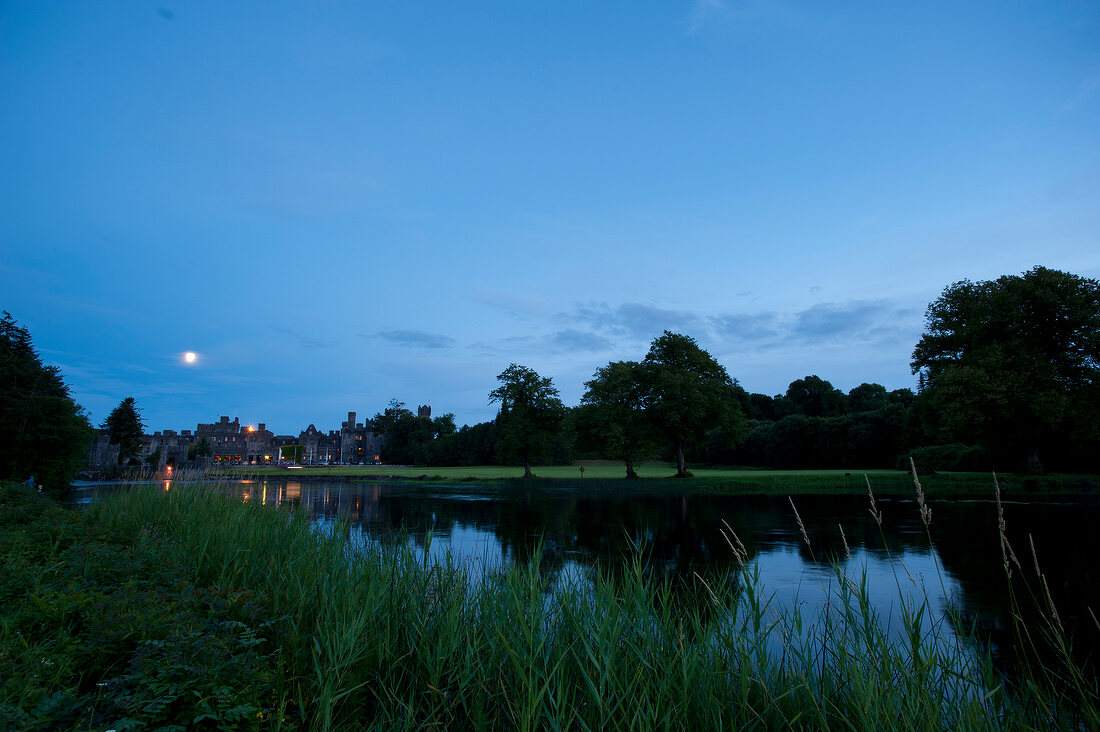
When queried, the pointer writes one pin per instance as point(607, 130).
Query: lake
point(572, 533)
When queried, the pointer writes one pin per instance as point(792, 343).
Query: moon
point(190, 357)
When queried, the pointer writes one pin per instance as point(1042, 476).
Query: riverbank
point(187, 607)
point(658, 477)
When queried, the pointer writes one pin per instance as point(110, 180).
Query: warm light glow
point(251, 428)
point(190, 357)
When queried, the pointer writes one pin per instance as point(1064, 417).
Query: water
point(573, 534)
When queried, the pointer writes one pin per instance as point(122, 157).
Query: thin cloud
point(305, 340)
point(708, 12)
point(863, 321)
point(577, 340)
point(756, 327)
point(416, 338)
point(703, 11)
point(832, 320)
point(635, 319)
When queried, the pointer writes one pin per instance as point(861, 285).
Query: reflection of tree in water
point(1066, 542)
point(679, 538)
point(675, 544)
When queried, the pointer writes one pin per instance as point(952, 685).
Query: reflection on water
point(574, 535)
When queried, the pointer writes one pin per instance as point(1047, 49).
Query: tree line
point(1006, 379)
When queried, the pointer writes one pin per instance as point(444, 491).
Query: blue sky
point(335, 204)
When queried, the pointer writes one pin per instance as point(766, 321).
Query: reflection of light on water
point(167, 484)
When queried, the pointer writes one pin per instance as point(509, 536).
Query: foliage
point(382, 423)
point(1013, 363)
point(186, 609)
point(42, 430)
point(530, 413)
point(101, 631)
point(201, 448)
point(413, 440)
point(688, 393)
point(867, 398)
point(812, 396)
point(292, 453)
point(872, 439)
point(125, 429)
point(955, 456)
point(612, 417)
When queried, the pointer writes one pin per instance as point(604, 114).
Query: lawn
point(602, 470)
point(608, 475)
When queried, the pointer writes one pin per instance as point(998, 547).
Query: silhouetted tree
point(688, 393)
point(1013, 362)
point(42, 430)
point(612, 416)
point(125, 428)
point(530, 413)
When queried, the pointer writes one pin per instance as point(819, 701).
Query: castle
point(355, 443)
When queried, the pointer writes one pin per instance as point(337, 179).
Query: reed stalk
point(381, 638)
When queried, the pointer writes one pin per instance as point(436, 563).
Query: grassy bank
point(187, 608)
point(602, 475)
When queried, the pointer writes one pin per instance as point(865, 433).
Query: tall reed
point(384, 639)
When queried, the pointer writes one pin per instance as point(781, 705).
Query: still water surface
point(573, 533)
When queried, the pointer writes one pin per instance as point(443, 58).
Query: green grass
point(608, 475)
point(601, 470)
point(190, 608)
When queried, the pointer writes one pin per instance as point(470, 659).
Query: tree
point(867, 398)
point(688, 393)
point(43, 432)
point(530, 413)
point(612, 415)
point(203, 449)
point(412, 440)
point(1010, 362)
point(814, 397)
point(383, 422)
point(125, 428)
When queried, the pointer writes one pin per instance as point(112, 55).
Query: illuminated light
point(251, 428)
point(167, 485)
point(190, 357)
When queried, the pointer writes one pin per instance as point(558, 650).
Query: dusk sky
point(334, 204)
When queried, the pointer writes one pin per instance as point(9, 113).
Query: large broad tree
point(43, 432)
point(612, 417)
point(867, 398)
point(688, 393)
point(125, 429)
point(813, 396)
point(530, 413)
point(1012, 363)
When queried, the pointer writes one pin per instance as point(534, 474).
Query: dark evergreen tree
point(125, 429)
point(43, 432)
